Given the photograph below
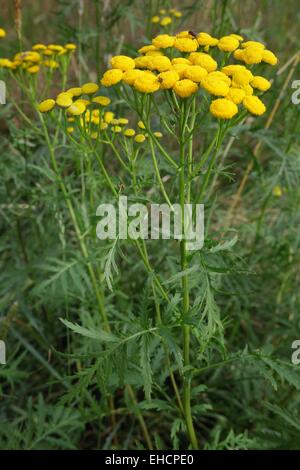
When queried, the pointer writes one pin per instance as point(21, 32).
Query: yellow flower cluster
point(39, 56)
point(84, 106)
point(188, 62)
point(2, 33)
point(166, 17)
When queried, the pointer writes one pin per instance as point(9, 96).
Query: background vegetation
point(56, 388)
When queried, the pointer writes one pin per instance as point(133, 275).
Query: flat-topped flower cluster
point(40, 55)
point(187, 62)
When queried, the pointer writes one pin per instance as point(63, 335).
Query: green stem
point(185, 291)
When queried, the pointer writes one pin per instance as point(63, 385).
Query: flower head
point(228, 44)
point(89, 88)
point(64, 99)
point(112, 77)
point(46, 106)
point(254, 105)
point(223, 108)
point(185, 88)
point(163, 41)
point(122, 62)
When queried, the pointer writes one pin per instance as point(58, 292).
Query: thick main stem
point(186, 297)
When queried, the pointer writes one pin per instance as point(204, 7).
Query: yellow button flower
point(277, 191)
point(185, 88)
point(236, 95)
point(257, 44)
point(89, 88)
point(46, 106)
point(122, 62)
point(147, 83)
point(155, 19)
point(168, 79)
point(140, 138)
point(77, 108)
point(39, 47)
point(163, 41)
point(237, 36)
point(123, 121)
point(70, 129)
point(220, 76)
point(196, 73)
point(112, 77)
point(260, 83)
point(239, 54)
point(205, 39)
point(223, 108)
point(253, 55)
point(228, 44)
point(55, 48)
point(149, 48)
point(269, 57)
point(141, 125)
point(230, 69)
point(70, 47)
point(108, 117)
point(186, 44)
point(103, 126)
point(180, 69)
point(143, 62)
point(248, 90)
point(75, 91)
point(129, 132)
point(166, 21)
point(161, 64)
point(33, 69)
point(6, 64)
point(64, 100)
point(215, 86)
point(158, 135)
point(51, 64)
point(204, 60)
point(177, 14)
point(154, 53)
point(102, 100)
point(181, 60)
point(130, 76)
point(2, 33)
point(116, 129)
point(242, 77)
point(254, 105)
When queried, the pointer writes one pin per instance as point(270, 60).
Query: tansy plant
point(191, 90)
